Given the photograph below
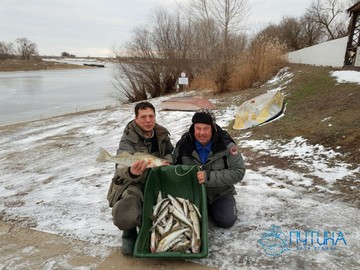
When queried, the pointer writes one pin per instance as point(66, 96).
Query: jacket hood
point(220, 139)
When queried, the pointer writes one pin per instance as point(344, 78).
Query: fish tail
point(103, 155)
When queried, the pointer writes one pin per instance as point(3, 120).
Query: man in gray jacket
point(212, 148)
point(125, 194)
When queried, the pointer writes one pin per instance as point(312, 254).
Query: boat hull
point(259, 110)
point(187, 103)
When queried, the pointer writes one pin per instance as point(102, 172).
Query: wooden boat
point(187, 103)
point(259, 110)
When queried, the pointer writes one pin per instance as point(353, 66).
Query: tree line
point(324, 20)
point(206, 39)
point(23, 48)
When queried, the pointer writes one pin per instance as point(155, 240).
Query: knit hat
point(204, 116)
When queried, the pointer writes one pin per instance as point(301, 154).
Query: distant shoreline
point(36, 64)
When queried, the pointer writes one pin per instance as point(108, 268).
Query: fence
point(330, 53)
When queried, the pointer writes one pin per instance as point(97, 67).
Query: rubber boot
point(128, 241)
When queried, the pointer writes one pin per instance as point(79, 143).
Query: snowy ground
point(51, 182)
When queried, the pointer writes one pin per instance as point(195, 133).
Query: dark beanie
point(204, 116)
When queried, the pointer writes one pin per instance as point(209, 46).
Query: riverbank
point(292, 181)
point(35, 64)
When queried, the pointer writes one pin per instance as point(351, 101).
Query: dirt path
point(24, 248)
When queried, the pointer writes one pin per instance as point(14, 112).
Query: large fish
point(126, 159)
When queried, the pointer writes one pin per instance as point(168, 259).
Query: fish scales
point(160, 206)
point(125, 159)
point(176, 204)
point(168, 239)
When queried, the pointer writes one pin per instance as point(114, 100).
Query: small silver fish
point(195, 240)
point(168, 240)
point(175, 226)
point(126, 159)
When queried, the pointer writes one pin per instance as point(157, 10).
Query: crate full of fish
point(175, 220)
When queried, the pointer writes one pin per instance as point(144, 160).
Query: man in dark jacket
point(125, 194)
point(212, 148)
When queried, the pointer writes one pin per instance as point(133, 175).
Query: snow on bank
point(346, 76)
point(51, 182)
point(320, 161)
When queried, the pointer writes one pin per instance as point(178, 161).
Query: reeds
point(261, 61)
point(255, 65)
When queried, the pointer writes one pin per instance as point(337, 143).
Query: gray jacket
point(133, 140)
point(224, 166)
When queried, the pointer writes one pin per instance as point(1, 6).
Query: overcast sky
point(93, 27)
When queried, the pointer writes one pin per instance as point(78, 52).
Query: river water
point(33, 95)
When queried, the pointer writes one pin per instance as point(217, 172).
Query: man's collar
point(199, 146)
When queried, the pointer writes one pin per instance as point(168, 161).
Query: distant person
point(125, 194)
point(212, 148)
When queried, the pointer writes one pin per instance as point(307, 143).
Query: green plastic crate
point(181, 181)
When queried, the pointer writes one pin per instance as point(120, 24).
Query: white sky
point(50, 181)
point(94, 28)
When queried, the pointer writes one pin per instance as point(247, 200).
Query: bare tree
point(291, 33)
point(139, 73)
point(330, 14)
point(66, 54)
point(172, 40)
point(226, 16)
point(26, 48)
point(351, 2)
point(312, 31)
point(295, 33)
point(6, 49)
point(158, 56)
point(288, 32)
point(209, 40)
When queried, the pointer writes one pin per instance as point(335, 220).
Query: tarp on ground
point(259, 110)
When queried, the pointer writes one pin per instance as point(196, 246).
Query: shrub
point(260, 62)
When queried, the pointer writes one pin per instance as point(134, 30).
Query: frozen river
point(32, 95)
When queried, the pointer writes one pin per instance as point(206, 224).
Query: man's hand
point(201, 176)
point(138, 167)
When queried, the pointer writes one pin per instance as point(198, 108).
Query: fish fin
point(103, 155)
point(124, 154)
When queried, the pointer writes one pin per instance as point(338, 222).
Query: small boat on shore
point(94, 65)
point(258, 110)
point(187, 103)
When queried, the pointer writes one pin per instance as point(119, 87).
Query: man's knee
point(224, 211)
point(225, 221)
point(127, 213)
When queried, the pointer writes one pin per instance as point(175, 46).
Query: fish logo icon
point(273, 241)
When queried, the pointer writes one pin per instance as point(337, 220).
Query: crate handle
point(183, 174)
